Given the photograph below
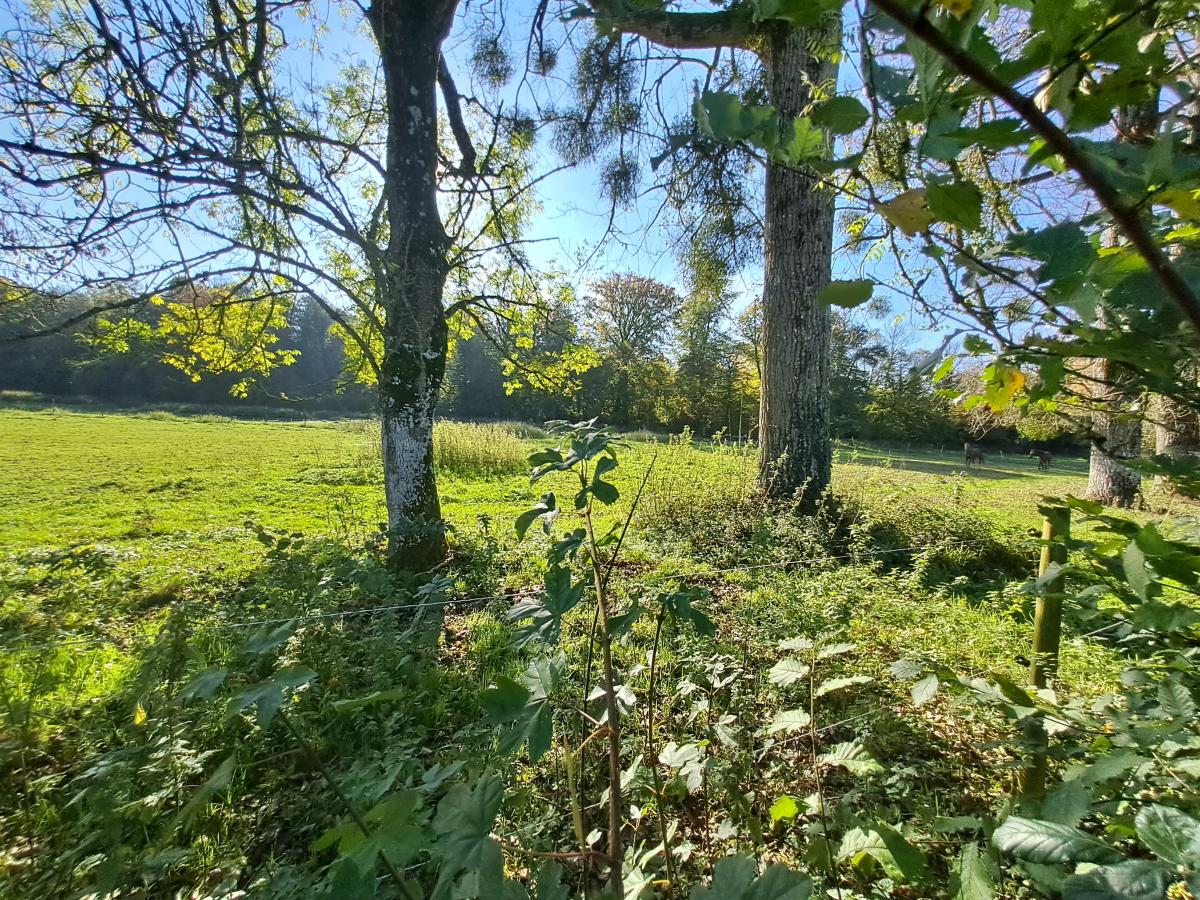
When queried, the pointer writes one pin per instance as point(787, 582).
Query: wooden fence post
point(1047, 637)
point(1047, 619)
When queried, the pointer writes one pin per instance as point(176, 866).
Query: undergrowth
point(788, 734)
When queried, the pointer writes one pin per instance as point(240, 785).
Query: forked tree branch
point(462, 136)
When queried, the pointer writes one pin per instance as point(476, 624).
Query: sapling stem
point(615, 880)
point(816, 763)
point(319, 764)
point(652, 753)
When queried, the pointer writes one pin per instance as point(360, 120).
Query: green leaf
point(1132, 880)
point(846, 294)
point(1067, 803)
point(1164, 617)
point(797, 13)
point(925, 690)
point(838, 684)
point(546, 613)
point(605, 492)
point(900, 859)
point(788, 671)
point(676, 755)
point(269, 639)
point(1106, 767)
point(1170, 834)
point(973, 877)
point(203, 684)
point(840, 115)
point(801, 143)
point(952, 824)
point(619, 624)
point(544, 507)
point(678, 605)
point(734, 879)
point(722, 116)
point(789, 720)
point(959, 204)
point(830, 650)
point(218, 781)
point(394, 834)
point(943, 370)
point(504, 700)
point(1133, 561)
point(1064, 249)
point(796, 643)
point(854, 757)
point(372, 699)
point(905, 669)
point(549, 882)
point(784, 809)
point(526, 708)
point(1047, 842)
point(267, 696)
point(1176, 700)
point(347, 882)
point(545, 456)
point(465, 818)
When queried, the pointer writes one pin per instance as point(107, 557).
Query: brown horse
point(1044, 458)
point(972, 453)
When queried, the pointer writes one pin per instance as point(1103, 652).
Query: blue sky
point(574, 215)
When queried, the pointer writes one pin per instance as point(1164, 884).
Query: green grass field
point(161, 482)
point(111, 525)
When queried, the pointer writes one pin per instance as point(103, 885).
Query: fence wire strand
point(462, 601)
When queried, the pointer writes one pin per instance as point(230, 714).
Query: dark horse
point(1044, 458)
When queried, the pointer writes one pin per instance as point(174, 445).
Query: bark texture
point(1115, 437)
point(1176, 432)
point(411, 274)
point(794, 413)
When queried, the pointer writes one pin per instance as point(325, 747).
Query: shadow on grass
point(102, 758)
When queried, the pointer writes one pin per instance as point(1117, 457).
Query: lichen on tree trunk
point(410, 274)
point(795, 450)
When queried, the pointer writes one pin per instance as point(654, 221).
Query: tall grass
point(464, 448)
point(467, 449)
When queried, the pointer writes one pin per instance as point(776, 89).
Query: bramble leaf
point(1047, 842)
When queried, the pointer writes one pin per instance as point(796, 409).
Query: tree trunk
point(411, 275)
point(1114, 438)
point(795, 451)
point(1176, 432)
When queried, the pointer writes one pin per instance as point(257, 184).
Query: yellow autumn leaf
point(908, 211)
point(1183, 201)
point(956, 8)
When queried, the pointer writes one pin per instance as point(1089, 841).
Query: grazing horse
point(1044, 458)
point(972, 453)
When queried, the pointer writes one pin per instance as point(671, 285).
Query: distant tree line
point(646, 357)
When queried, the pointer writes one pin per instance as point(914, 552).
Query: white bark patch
point(407, 434)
